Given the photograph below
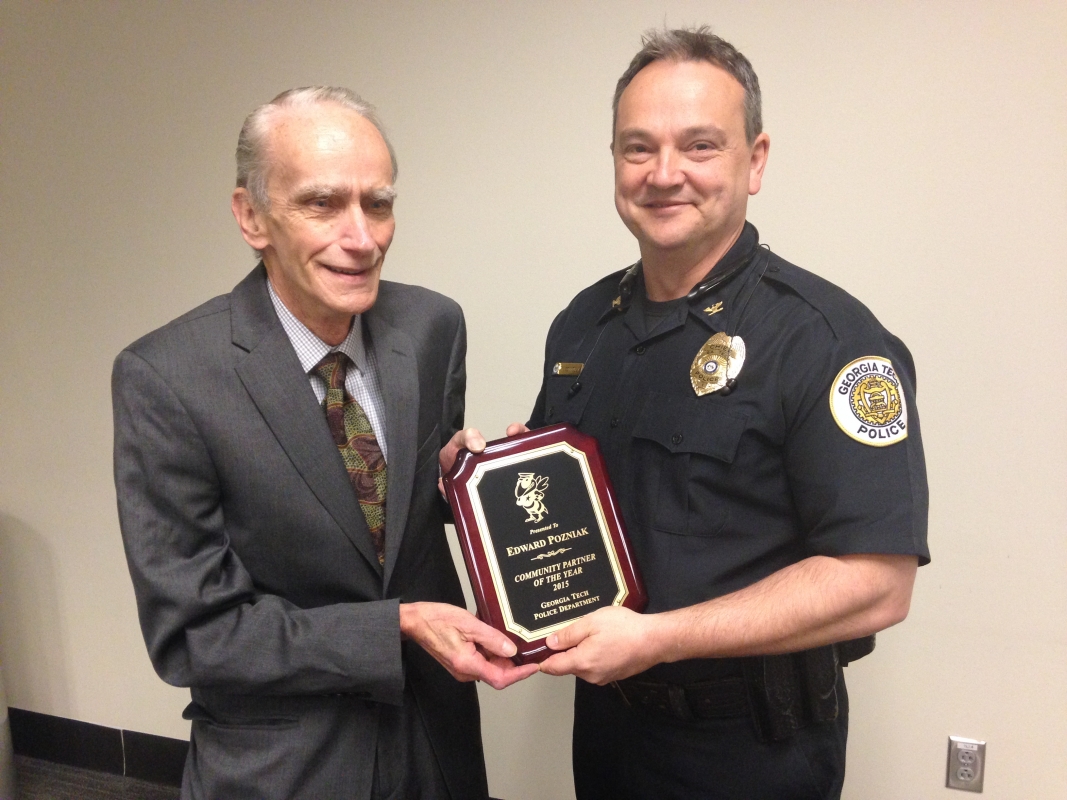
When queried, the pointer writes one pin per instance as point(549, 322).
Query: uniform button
point(640, 349)
point(551, 411)
point(676, 439)
point(614, 422)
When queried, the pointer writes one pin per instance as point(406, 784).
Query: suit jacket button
point(676, 439)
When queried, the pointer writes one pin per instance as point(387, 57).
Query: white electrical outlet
point(966, 764)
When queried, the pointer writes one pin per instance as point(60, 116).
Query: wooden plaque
point(541, 535)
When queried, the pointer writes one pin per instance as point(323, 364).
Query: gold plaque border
point(486, 538)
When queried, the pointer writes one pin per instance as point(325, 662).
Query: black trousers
point(624, 753)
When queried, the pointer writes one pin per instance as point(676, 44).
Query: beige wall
point(919, 159)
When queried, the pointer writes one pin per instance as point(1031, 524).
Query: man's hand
point(464, 645)
point(610, 644)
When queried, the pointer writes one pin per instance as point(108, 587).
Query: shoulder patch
point(868, 403)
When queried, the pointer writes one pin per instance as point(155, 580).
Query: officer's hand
point(464, 645)
point(515, 428)
point(608, 645)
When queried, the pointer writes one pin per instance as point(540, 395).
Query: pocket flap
point(692, 425)
point(563, 401)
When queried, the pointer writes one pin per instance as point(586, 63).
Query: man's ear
point(758, 162)
point(249, 220)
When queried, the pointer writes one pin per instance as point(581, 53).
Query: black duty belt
point(718, 699)
point(782, 693)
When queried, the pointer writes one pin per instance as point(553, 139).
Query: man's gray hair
point(696, 44)
point(253, 159)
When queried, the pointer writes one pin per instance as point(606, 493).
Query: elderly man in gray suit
point(276, 462)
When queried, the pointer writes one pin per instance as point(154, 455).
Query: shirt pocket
point(684, 450)
point(565, 399)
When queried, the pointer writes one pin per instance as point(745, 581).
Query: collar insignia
point(713, 309)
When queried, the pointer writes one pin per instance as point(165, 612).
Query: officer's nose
point(666, 169)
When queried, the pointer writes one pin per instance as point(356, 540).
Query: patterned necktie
point(354, 436)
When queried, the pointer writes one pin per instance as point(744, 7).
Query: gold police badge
point(867, 402)
point(718, 361)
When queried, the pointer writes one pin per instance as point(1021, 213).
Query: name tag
point(567, 368)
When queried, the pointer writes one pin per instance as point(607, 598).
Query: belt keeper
point(679, 703)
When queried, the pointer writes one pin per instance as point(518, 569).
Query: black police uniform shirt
point(721, 490)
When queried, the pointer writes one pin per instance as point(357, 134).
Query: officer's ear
point(758, 162)
point(251, 221)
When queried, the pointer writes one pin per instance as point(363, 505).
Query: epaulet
point(840, 309)
point(597, 292)
point(613, 278)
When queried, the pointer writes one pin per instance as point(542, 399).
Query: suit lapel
point(273, 377)
point(399, 371)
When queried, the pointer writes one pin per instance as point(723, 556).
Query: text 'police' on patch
point(867, 402)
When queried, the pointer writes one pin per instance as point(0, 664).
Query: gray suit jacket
point(257, 581)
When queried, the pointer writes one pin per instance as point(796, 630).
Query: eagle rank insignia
point(718, 361)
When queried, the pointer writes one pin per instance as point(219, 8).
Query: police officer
point(760, 430)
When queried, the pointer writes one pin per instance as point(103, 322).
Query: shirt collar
point(715, 308)
point(733, 263)
point(310, 349)
point(712, 309)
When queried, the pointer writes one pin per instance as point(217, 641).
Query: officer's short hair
point(696, 44)
point(253, 160)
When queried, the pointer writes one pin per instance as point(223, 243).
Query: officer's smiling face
point(683, 167)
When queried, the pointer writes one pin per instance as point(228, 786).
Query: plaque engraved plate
point(541, 535)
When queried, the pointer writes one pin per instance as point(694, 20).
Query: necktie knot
point(333, 369)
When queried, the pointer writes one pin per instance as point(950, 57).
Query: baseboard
point(145, 756)
point(158, 759)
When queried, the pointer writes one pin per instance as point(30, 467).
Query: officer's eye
point(636, 151)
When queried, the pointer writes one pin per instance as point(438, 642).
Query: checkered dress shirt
point(363, 383)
